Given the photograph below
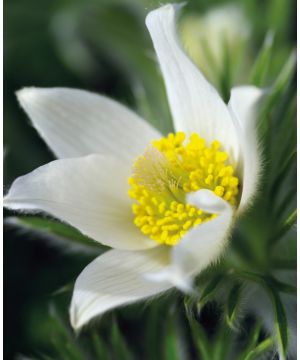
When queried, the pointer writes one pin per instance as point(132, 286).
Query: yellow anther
point(186, 188)
point(193, 176)
point(162, 207)
point(209, 180)
point(154, 229)
point(146, 229)
point(203, 162)
point(221, 156)
point(225, 181)
point(165, 174)
point(180, 208)
point(164, 236)
point(197, 222)
point(135, 208)
point(233, 181)
point(154, 200)
point(229, 170)
point(149, 210)
point(215, 145)
point(173, 240)
point(173, 205)
point(187, 225)
point(210, 168)
point(179, 138)
point(228, 195)
point(132, 193)
point(194, 186)
point(208, 154)
point(219, 190)
point(131, 181)
point(182, 216)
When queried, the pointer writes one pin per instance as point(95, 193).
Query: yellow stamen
point(166, 172)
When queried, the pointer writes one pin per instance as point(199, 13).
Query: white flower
point(209, 37)
point(97, 142)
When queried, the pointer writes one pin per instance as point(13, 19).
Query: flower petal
point(205, 243)
point(242, 104)
point(76, 123)
point(116, 278)
point(195, 104)
point(89, 193)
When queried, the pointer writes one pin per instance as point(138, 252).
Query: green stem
point(290, 221)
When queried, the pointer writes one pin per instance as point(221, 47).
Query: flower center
point(169, 169)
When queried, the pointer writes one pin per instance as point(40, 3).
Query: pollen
point(170, 168)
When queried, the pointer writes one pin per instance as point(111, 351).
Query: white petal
point(174, 277)
point(116, 278)
point(195, 104)
point(76, 123)
point(89, 193)
point(205, 243)
point(242, 104)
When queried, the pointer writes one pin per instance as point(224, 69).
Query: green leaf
point(283, 133)
point(286, 73)
point(62, 338)
point(276, 91)
point(100, 349)
point(152, 331)
point(210, 290)
point(289, 222)
point(283, 172)
point(267, 281)
point(286, 202)
point(261, 65)
point(281, 325)
point(252, 341)
point(58, 233)
point(222, 342)
point(200, 340)
point(260, 349)
point(232, 305)
point(189, 303)
point(171, 348)
point(282, 287)
point(119, 346)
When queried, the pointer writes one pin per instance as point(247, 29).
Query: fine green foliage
point(210, 289)
point(262, 63)
point(119, 346)
point(200, 340)
point(232, 304)
point(67, 238)
point(281, 325)
point(260, 349)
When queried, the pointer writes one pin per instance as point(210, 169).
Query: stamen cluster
point(169, 170)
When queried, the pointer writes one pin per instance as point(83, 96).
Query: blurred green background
point(103, 46)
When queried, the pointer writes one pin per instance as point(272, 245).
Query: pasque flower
point(164, 204)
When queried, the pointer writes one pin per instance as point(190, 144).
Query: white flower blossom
point(174, 218)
